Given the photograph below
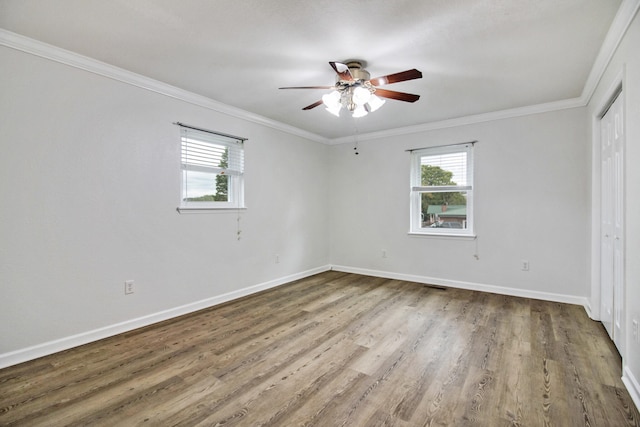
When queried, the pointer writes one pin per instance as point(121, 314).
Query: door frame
point(607, 99)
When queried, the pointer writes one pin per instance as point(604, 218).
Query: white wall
point(626, 62)
point(89, 180)
point(531, 203)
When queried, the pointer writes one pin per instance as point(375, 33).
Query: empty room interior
point(320, 213)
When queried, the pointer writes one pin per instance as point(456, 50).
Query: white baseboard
point(47, 348)
point(630, 382)
point(632, 385)
point(590, 312)
point(546, 296)
point(40, 350)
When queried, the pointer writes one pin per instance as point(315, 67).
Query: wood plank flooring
point(337, 349)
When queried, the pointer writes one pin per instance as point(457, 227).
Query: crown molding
point(621, 22)
point(63, 56)
point(625, 15)
point(466, 120)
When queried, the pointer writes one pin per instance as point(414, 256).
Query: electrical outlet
point(636, 336)
point(277, 259)
point(129, 287)
point(384, 253)
point(524, 265)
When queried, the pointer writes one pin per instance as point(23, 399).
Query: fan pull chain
point(238, 230)
point(355, 138)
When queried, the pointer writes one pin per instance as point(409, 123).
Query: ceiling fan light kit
point(356, 92)
point(360, 100)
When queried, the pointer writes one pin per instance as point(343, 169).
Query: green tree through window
point(222, 184)
point(222, 181)
point(436, 176)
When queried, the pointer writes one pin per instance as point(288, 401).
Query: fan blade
point(308, 87)
point(314, 105)
point(342, 70)
point(400, 96)
point(396, 77)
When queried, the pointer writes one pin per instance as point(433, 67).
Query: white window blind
point(208, 152)
point(456, 163)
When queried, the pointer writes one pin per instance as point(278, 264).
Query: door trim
point(616, 87)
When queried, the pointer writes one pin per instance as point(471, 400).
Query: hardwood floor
point(337, 349)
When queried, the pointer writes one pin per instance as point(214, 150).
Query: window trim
point(235, 173)
point(234, 182)
point(416, 189)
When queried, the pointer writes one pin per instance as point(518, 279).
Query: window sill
point(182, 209)
point(444, 235)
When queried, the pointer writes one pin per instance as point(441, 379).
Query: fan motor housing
point(357, 71)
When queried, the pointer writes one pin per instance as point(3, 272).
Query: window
point(212, 170)
point(442, 190)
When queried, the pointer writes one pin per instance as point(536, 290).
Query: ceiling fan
point(357, 92)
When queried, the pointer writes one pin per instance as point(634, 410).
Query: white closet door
point(606, 225)
point(618, 223)
point(612, 221)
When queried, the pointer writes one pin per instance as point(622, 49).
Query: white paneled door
point(612, 221)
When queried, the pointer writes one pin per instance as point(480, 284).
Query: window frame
point(416, 191)
point(234, 174)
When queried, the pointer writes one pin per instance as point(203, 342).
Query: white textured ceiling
point(476, 56)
